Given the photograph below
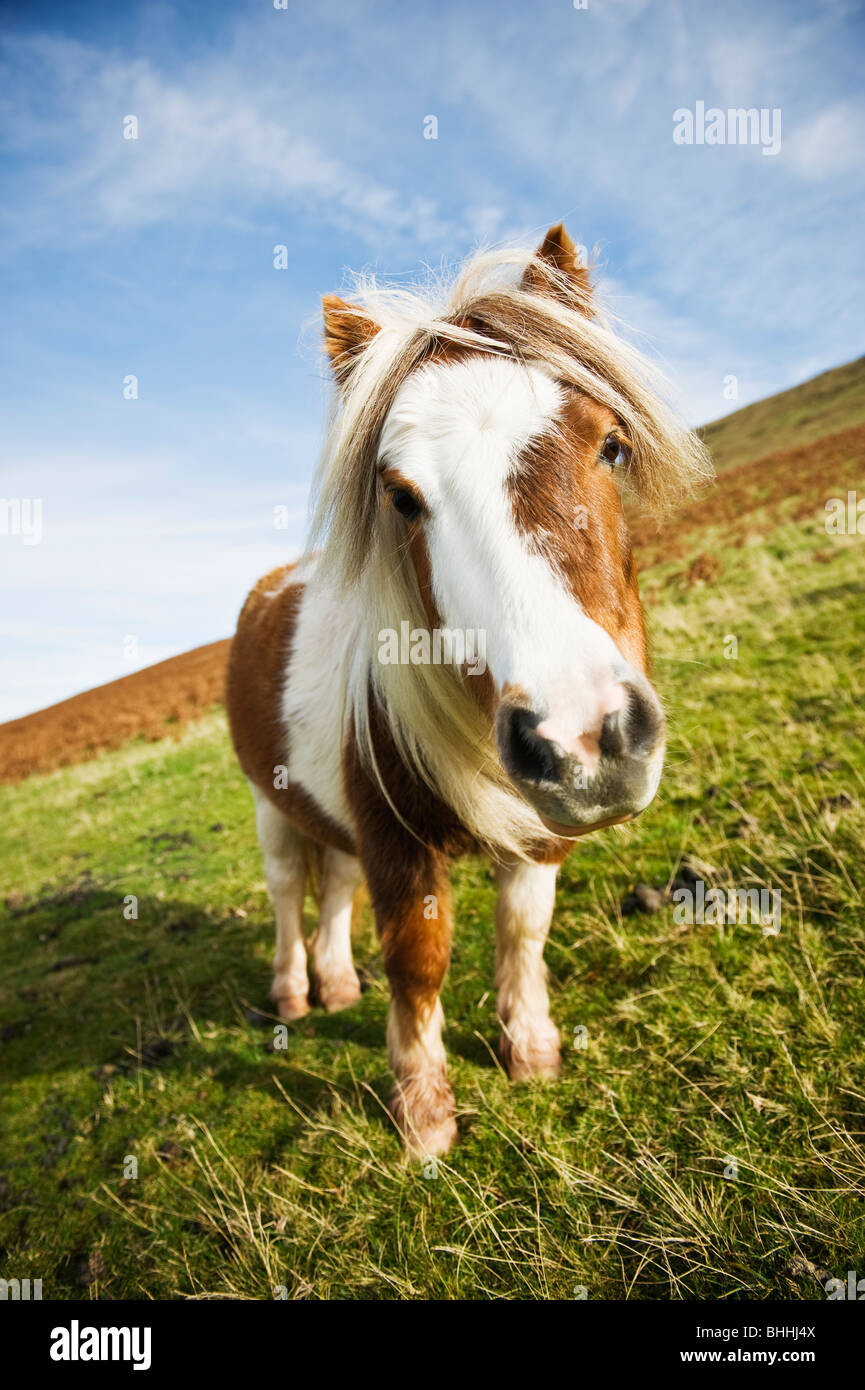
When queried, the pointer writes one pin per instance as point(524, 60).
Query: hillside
point(824, 405)
point(805, 444)
point(146, 704)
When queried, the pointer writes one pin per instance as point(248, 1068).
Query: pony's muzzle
point(583, 781)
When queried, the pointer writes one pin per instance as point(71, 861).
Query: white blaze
point(458, 430)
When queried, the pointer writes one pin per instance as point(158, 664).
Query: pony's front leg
point(412, 905)
point(529, 1044)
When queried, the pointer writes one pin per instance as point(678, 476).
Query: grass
point(145, 1042)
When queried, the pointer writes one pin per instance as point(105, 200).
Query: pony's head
point(473, 485)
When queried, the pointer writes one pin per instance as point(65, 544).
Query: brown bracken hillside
point(148, 704)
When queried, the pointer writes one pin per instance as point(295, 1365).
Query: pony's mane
point(514, 303)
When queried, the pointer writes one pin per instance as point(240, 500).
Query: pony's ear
point(559, 251)
point(347, 330)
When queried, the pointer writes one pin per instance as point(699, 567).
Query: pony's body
point(467, 486)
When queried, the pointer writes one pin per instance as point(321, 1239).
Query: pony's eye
point(406, 503)
point(615, 451)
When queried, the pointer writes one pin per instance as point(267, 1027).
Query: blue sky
point(304, 127)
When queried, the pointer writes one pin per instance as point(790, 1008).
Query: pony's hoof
point(337, 994)
point(425, 1113)
point(525, 1058)
point(291, 1006)
point(433, 1142)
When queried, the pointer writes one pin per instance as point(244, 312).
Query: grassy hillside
point(712, 1049)
point(830, 402)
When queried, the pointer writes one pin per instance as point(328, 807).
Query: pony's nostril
point(614, 734)
point(644, 723)
point(526, 754)
point(633, 730)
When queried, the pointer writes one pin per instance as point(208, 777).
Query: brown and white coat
point(468, 483)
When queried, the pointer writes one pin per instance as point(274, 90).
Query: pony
point(458, 662)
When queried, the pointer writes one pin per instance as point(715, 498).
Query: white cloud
point(206, 137)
